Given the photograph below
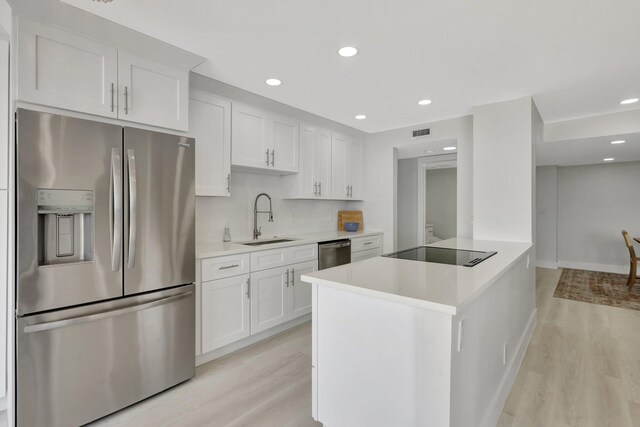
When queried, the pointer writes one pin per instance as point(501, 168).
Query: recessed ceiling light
point(273, 82)
point(347, 51)
point(619, 141)
point(629, 101)
point(361, 117)
point(449, 148)
point(424, 102)
point(609, 159)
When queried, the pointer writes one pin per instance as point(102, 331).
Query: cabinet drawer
point(365, 243)
point(303, 253)
point(362, 255)
point(226, 266)
point(271, 258)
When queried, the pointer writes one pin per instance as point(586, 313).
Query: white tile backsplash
point(290, 217)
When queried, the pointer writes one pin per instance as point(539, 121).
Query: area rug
point(596, 287)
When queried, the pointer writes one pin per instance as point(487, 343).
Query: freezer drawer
point(80, 364)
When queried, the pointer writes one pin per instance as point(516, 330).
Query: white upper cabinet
point(355, 160)
point(339, 166)
point(263, 140)
point(210, 125)
point(62, 69)
point(314, 177)
point(152, 93)
point(250, 137)
point(284, 143)
point(323, 163)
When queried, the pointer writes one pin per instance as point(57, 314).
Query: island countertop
point(440, 287)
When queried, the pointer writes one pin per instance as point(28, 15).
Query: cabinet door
point(307, 182)
point(225, 308)
point(299, 291)
point(323, 163)
point(268, 298)
point(65, 70)
point(152, 93)
point(339, 166)
point(249, 137)
point(285, 143)
point(355, 169)
point(210, 125)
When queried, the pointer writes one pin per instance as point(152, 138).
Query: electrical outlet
point(504, 354)
point(460, 334)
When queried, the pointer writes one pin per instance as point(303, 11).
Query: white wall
point(440, 201)
point(290, 216)
point(504, 170)
point(380, 174)
point(408, 203)
point(595, 202)
point(547, 216)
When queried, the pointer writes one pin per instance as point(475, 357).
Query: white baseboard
point(547, 264)
point(499, 399)
point(238, 345)
point(607, 268)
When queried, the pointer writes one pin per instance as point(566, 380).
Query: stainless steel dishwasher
point(334, 253)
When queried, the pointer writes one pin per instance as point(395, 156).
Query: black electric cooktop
point(442, 255)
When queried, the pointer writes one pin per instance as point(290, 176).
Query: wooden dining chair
point(633, 272)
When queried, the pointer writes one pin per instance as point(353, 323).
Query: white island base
point(406, 343)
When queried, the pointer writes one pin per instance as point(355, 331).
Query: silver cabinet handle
point(347, 191)
point(315, 189)
point(229, 183)
point(319, 189)
point(287, 277)
point(113, 89)
point(367, 243)
point(115, 209)
point(249, 288)
point(104, 315)
point(293, 277)
point(351, 191)
point(226, 267)
point(273, 157)
point(133, 208)
point(126, 100)
point(267, 157)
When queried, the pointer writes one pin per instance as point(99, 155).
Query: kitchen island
point(407, 343)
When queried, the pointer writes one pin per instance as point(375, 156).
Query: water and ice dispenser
point(65, 226)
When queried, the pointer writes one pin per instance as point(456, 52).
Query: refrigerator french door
point(106, 264)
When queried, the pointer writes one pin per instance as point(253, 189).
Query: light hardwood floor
point(582, 368)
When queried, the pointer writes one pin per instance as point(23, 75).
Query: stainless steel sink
point(266, 242)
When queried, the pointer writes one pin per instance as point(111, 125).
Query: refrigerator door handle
point(133, 207)
point(103, 315)
point(115, 209)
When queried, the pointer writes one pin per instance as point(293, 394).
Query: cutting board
point(350, 216)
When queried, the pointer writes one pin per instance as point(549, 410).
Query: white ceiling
point(576, 57)
point(588, 151)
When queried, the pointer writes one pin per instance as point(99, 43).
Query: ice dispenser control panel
point(65, 226)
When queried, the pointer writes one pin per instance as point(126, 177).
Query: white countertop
point(233, 248)
point(441, 287)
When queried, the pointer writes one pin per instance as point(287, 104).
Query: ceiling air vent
point(420, 133)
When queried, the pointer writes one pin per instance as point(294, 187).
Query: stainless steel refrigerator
point(105, 267)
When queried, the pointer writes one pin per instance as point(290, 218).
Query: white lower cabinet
point(225, 311)
point(268, 298)
point(299, 291)
point(279, 295)
point(235, 304)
